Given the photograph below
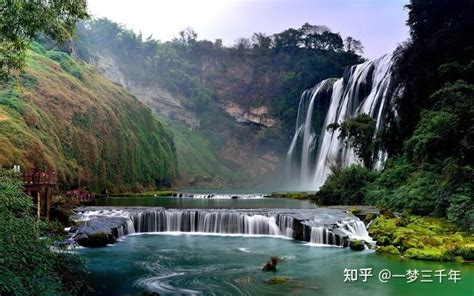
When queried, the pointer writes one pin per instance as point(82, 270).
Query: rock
point(357, 245)
point(99, 232)
point(94, 240)
point(467, 252)
point(271, 266)
point(432, 254)
point(277, 280)
point(384, 241)
point(388, 250)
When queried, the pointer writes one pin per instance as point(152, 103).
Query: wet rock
point(271, 266)
point(357, 245)
point(99, 232)
point(94, 240)
point(391, 250)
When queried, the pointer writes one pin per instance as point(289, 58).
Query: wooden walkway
point(40, 186)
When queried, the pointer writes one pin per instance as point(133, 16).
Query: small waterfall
point(318, 226)
point(355, 230)
point(314, 151)
point(317, 235)
point(212, 222)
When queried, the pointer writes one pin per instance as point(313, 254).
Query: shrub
point(346, 186)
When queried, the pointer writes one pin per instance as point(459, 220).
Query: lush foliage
point(358, 134)
point(431, 140)
point(424, 238)
point(28, 266)
point(61, 115)
point(346, 186)
point(205, 76)
point(21, 20)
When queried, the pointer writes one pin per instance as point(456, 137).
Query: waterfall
point(317, 235)
point(314, 151)
point(319, 225)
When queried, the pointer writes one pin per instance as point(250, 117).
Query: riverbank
point(423, 238)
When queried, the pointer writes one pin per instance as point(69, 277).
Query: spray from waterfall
point(314, 151)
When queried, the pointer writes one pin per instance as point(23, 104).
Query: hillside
point(60, 114)
point(233, 108)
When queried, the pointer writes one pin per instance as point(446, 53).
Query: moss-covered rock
point(391, 250)
point(277, 280)
point(357, 245)
point(424, 238)
point(433, 254)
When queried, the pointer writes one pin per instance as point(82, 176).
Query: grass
point(59, 114)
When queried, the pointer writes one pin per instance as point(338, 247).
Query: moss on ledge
point(293, 195)
point(423, 238)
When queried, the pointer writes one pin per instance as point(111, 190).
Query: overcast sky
point(379, 24)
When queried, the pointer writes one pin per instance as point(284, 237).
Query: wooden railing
point(39, 178)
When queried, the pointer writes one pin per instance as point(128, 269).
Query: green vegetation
point(205, 76)
point(22, 20)
point(61, 115)
point(357, 245)
point(430, 142)
point(198, 163)
point(28, 266)
point(346, 186)
point(292, 195)
point(424, 238)
point(358, 133)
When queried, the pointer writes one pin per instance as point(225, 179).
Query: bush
point(27, 265)
point(346, 186)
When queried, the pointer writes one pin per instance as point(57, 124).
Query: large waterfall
point(314, 150)
point(319, 225)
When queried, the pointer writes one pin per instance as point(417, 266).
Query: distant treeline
point(200, 70)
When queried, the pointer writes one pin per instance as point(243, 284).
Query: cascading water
point(211, 222)
point(314, 150)
point(318, 226)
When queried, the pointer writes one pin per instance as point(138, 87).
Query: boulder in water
point(357, 245)
point(94, 240)
point(277, 280)
point(271, 266)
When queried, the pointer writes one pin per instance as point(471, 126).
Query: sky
point(379, 24)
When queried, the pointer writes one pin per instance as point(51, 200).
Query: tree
point(261, 41)
point(309, 32)
point(331, 41)
point(21, 20)
point(187, 37)
point(290, 38)
point(242, 43)
point(346, 186)
point(353, 45)
point(218, 44)
point(28, 266)
point(358, 133)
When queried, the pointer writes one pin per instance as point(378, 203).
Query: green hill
point(59, 114)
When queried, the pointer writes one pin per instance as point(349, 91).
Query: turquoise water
point(174, 202)
point(196, 264)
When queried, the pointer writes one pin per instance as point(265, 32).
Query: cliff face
point(233, 110)
point(60, 114)
point(237, 146)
